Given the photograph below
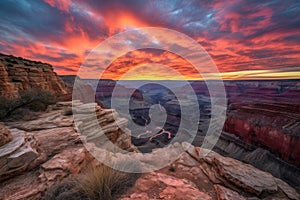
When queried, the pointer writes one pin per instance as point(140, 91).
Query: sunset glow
point(243, 42)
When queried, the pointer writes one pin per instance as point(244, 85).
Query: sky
point(246, 39)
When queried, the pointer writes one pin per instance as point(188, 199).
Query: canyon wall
point(272, 126)
point(18, 74)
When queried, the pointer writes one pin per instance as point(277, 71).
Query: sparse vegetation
point(29, 101)
point(97, 183)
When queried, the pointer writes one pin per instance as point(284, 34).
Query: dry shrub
point(97, 183)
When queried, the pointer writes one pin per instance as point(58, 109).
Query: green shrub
point(34, 99)
point(97, 183)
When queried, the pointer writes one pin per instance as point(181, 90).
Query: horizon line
point(254, 79)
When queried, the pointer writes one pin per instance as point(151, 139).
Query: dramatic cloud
point(246, 39)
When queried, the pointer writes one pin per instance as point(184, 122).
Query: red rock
point(268, 125)
point(227, 194)
point(17, 74)
point(161, 186)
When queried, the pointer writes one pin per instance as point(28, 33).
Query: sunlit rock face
point(18, 74)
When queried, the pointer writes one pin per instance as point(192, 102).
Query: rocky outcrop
point(164, 187)
point(17, 155)
point(18, 74)
point(194, 176)
point(230, 145)
point(102, 126)
point(48, 149)
point(7, 88)
point(232, 172)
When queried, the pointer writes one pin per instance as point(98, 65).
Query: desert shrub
point(34, 99)
point(97, 183)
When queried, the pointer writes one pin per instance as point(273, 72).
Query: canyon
point(41, 153)
point(261, 127)
point(256, 156)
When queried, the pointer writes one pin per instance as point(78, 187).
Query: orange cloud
point(146, 58)
point(118, 21)
point(240, 36)
point(62, 5)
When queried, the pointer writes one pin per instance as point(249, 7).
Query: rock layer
point(102, 126)
point(48, 149)
point(271, 126)
point(17, 155)
point(18, 74)
point(195, 176)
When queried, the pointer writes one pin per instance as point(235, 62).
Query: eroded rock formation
point(48, 149)
point(194, 176)
point(271, 126)
point(18, 74)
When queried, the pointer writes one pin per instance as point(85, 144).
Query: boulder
point(17, 155)
point(162, 186)
point(245, 176)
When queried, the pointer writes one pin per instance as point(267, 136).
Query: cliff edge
point(19, 74)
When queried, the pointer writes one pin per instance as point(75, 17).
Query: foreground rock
point(165, 187)
point(17, 155)
point(193, 176)
point(46, 150)
point(102, 127)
